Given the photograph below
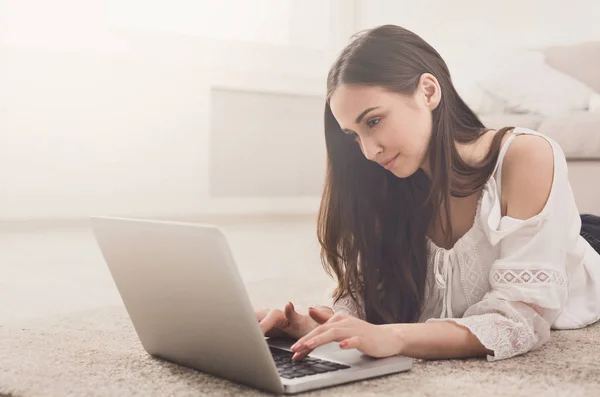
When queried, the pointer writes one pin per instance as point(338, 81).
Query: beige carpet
point(96, 353)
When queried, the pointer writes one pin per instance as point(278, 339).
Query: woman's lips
point(390, 163)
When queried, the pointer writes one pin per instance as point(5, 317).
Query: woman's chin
point(402, 172)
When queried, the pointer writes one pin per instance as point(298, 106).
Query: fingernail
point(295, 356)
point(298, 346)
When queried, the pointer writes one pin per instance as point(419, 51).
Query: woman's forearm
point(437, 340)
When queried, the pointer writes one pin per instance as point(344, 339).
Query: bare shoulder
point(527, 175)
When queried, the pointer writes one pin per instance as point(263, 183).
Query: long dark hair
point(372, 225)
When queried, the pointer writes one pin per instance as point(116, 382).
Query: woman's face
point(391, 129)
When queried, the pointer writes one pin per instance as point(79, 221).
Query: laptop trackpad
point(330, 351)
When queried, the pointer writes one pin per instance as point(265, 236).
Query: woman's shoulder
point(531, 189)
point(527, 175)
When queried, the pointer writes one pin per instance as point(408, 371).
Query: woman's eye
point(373, 122)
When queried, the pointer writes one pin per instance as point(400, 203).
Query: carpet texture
point(97, 353)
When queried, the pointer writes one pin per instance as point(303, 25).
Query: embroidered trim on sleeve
point(521, 276)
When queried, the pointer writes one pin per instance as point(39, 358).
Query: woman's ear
point(431, 90)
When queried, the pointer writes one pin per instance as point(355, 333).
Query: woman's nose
point(370, 148)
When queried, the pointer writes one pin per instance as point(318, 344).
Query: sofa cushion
point(580, 61)
point(578, 134)
point(595, 103)
point(527, 84)
point(499, 120)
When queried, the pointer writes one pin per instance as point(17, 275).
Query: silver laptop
point(188, 305)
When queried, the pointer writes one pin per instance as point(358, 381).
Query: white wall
point(104, 103)
point(472, 35)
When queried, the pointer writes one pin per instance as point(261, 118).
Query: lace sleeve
point(347, 305)
point(528, 285)
point(506, 328)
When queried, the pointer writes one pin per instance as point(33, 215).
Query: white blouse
point(509, 280)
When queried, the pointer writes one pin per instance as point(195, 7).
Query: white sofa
point(559, 97)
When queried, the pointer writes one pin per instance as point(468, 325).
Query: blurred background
point(212, 111)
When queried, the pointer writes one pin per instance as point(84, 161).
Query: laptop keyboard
point(290, 369)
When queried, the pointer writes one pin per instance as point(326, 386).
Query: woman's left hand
point(373, 340)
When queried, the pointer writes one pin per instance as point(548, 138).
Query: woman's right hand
point(289, 323)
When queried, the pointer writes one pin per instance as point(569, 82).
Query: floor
point(52, 271)
point(58, 269)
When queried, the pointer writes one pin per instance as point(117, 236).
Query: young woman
point(447, 239)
